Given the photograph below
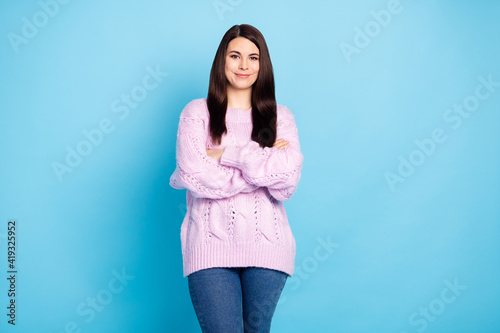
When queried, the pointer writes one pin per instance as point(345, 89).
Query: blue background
point(396, 249)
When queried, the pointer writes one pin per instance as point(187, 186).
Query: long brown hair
point(263, 96)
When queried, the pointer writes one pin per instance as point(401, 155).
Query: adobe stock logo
point(322, 252)
point(222, 7)
point(454, 116)
point(94, 137)
point(88, 310)
point(429, 313)
point(364, 35)
point(30, 28)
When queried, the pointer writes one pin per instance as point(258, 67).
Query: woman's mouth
point(243, 76)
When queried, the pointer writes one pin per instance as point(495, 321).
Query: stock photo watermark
point(31, 26)
point(12, 269)
point(88, 309)
point(309, 265)
point(453, 117)
point(424, 315)
point(264, 310)
point(322, 252)
point(121, 107)
point(364, 35)
point(223, 6)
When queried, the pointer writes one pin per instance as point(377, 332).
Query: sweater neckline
point(236, 109)
point(238, 114)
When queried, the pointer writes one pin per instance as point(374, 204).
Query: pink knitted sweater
point(235, 216)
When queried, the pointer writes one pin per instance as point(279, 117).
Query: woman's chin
point(241, 86)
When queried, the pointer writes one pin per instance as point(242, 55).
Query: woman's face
point(242, 63)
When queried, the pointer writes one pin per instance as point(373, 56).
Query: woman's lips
point(243, 76)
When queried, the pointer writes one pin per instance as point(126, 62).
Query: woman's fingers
point(281, 144)
point(215, 153)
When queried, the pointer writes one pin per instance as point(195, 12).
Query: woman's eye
point(234, 56)
point(254, 58)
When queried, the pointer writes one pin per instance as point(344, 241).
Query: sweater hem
point(280, 258)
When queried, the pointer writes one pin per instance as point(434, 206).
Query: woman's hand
point(281, 144)
point(215, 153)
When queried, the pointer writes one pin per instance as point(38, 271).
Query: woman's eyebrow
point(240, 53)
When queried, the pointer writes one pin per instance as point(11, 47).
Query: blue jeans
point(235, 299)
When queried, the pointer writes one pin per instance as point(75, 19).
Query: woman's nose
point(243, 64)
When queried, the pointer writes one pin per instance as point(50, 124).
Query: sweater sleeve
point(278, 170)
point(195, 170)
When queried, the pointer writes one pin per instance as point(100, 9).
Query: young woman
point(238, 155)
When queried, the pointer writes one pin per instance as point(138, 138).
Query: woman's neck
point(239, 99)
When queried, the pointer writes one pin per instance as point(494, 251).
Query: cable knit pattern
point(235, 216)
